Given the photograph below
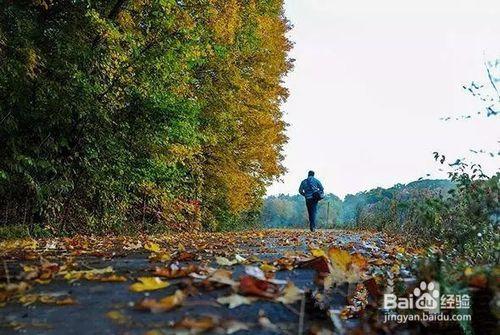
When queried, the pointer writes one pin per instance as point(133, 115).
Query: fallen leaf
point(359, 261)
point(373, 288)
point(185, 256)
point(148, 284)
point(379, 261)
point(233, 326)
point(318, 253)
point(340, 258)
point(240, 259)
point(86, 274)
point(65, 301)
point(153, 247)
point(154, 332)
point(112, 278)
point(117, 316)
point(257, 287)
point(259, 274)
point(235, 300)
point(222, 276)
point(41, 274)
point(132, 245)
point(160, 257)
point(357, 302)
point(478, 280)
point(174, 271)
point(223, 261)
point(201, 324)
point(15, 287)
point(320, 264)
point(286, 263)
point(291, 294)
point(267, 267)
point(54, 299)
point(162, 305)
point(28, 299)
point(255, 272)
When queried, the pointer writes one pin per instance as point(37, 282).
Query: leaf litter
point(187, 259)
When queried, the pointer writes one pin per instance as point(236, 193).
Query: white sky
point(371, 80)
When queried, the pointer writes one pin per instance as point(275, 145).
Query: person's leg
point(309, 203)
point(314, 210)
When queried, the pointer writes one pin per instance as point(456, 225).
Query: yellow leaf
point(86, 274)
point(148, 284)
point(196, 326)
point(28, 299)
point(153, 247)
point(164, 304)
point(379, 261)
point(291, 294)
point(340, 257)
point(117, 316)
point(399, 249)
point(267, 267)
point(112, 278)
point(154, 332)
point(318, 253)
point(395, 268)
point(160, 256)
point(46, 299)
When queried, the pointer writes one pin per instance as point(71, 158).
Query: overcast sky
point(372, 80)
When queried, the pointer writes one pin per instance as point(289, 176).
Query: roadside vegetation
point(139, 116)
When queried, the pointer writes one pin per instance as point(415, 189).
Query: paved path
point(94, 299)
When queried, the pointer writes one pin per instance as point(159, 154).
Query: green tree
point(139, 114)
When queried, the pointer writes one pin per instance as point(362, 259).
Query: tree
point(139, 114)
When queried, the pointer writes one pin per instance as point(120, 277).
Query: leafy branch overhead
point(156, 113)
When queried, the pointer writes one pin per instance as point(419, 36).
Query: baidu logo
point(427, 302)
point(425, 297)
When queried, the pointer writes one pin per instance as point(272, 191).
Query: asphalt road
point(94, 300)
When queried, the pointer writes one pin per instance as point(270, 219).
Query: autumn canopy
point(155, 113)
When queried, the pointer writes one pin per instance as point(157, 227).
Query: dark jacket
point(309, 186)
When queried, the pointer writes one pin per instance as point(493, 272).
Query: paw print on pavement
point(427, 296)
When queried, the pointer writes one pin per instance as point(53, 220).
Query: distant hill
point(289, 210)
point(431, 184)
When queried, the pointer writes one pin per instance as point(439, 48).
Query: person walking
point(312, 190)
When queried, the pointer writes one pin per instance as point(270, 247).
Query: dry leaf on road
point(235, 300)
point(291, 294)
point(162, 305)
point(148, 284)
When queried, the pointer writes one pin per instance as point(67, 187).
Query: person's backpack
point(317, 194)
